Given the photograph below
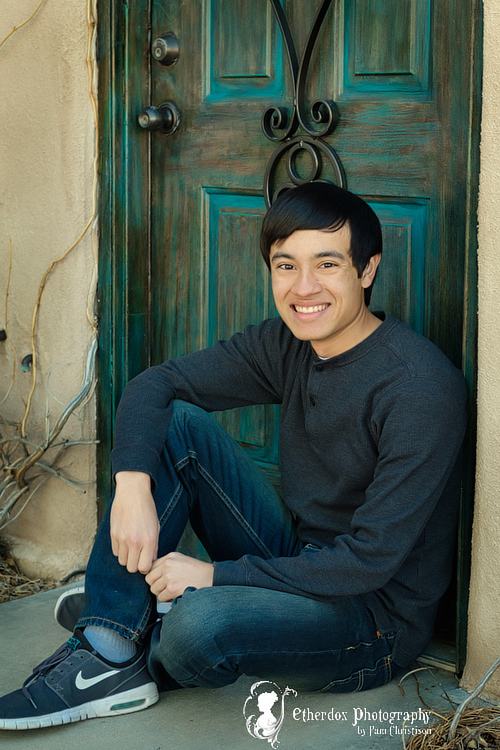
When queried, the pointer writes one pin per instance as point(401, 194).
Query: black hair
point(325, 207)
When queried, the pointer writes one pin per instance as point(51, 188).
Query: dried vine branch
point(9, 276)
point(16, 28)
point(479, 689)
point(16, 482)
point(35, 318)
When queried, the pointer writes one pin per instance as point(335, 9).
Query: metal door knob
point(165, 118)
point(165, 49)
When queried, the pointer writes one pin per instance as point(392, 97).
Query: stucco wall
point(47, 148)
point(484, 609)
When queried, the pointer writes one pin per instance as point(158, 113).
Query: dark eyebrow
point(281, 255)
point(326, 254)
point(330, 254)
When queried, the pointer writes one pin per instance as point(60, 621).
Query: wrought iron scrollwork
point(322, 120)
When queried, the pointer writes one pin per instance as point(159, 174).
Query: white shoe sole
point(69, 592)
point(121, 703)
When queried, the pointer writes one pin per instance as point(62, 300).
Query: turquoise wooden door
point(181, 211)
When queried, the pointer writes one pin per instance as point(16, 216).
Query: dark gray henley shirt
point(369, 447)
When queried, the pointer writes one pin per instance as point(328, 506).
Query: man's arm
point(134, 522)
point(230, 374)
point(134, 540)
point(420, 430)
point(171, 575)
point(246, 370)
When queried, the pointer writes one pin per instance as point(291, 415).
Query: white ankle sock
point(110, 644)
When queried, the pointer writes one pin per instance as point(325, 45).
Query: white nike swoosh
point(82, 683)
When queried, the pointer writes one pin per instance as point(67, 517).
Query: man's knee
point(183, 410)
point(190, 644)
point(192, 425)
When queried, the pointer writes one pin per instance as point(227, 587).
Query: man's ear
point(368, 275)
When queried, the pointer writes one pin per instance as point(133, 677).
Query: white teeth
point(316, 308)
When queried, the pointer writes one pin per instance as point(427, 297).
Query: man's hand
point(171, 575)
point(134, 522)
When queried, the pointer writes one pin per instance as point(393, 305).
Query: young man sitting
point(326, 589)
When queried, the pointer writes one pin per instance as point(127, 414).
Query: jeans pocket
point(363, 667)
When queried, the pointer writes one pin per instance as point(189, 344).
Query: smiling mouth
point(311, 309)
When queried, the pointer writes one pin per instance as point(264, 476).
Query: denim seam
point(136, 634)
point(361, 674)
point(171, 504)
point(286, 652)
point(92, 620)
point(192, 455)
point(236, 513)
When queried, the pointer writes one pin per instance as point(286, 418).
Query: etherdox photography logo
point(264, 711)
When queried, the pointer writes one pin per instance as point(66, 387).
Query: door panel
point(238, 292)
point(180, 265)
point(401, 288)
point(237, 67)
point(387, 46)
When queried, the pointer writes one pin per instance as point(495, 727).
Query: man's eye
point(328, 264)
point(285, 266)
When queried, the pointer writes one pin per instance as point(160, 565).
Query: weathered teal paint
point(232, 64)
point(233, 266)
point(401, 289)
point(179, 215)
point(398, 59)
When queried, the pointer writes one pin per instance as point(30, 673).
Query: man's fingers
point(120, 551)
point(145, 559)
point(135, 554)
point(130, 559)
point(134, 522)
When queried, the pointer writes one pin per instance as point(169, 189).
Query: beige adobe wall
point(484, 609)
point(47, 147)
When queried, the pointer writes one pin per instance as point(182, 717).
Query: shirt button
point(312, 401)
point(319, 368)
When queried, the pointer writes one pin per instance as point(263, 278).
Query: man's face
point(318, 292)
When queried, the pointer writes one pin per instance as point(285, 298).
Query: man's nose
point(306, 284)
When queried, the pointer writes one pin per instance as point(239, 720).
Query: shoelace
point(45, 666)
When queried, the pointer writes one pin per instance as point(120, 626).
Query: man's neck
point(348, 339)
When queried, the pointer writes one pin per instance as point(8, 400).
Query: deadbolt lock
point(165, 49)
point(165, 118)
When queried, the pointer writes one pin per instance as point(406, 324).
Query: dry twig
point(15, 482)
point(16, 28)
point(15, 585)
point(464, 729)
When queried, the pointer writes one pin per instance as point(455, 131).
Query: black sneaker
point(69, 607)
point(74, 684)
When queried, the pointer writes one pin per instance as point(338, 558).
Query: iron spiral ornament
point(280, 126)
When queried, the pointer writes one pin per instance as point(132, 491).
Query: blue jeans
point(212, 636)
